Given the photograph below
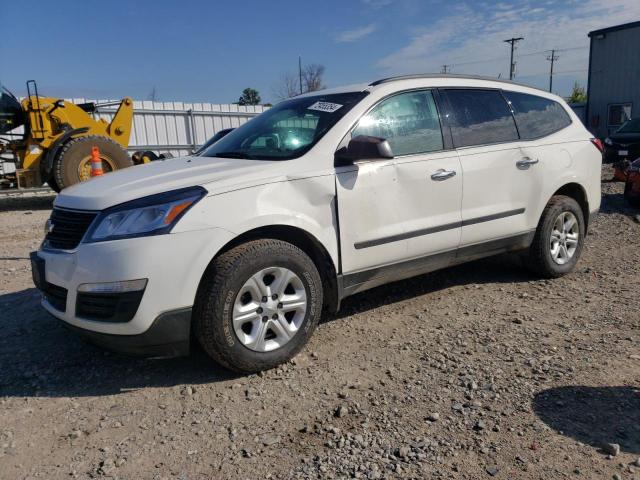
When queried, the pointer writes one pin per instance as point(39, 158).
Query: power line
point(528, 54)
point(513, 42)
point(555, 73)
point(552, 58)
point(446, 69)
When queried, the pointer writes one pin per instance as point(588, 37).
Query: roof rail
point(444, 75)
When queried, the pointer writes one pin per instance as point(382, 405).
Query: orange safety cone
point(96, 162)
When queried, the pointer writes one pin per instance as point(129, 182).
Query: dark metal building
point(613, 91)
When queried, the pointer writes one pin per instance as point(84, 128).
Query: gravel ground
point(478, 371)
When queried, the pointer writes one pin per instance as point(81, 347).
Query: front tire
point(257, 305)
point(559, 238)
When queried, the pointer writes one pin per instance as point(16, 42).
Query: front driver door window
point(408, 121)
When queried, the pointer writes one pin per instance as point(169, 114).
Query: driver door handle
point(442, 174)
point(526, 162)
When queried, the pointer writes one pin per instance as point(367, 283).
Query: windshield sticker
point(325, 107)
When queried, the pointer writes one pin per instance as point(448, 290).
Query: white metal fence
point(171, 127)
point(177, 127)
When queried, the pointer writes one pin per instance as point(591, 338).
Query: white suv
point(322, 196)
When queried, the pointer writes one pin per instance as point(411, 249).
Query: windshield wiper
point(232, 155)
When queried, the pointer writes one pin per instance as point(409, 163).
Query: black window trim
point(447, 138)
point(502, 93)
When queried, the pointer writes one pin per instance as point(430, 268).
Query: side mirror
point(363, 147)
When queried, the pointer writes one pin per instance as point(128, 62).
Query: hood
point(217, 175)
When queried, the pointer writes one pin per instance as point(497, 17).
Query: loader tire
point(53, 184)
point(73, 164)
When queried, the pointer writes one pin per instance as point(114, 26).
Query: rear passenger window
point(480, 117)
point(408, 121)
point(537, 116)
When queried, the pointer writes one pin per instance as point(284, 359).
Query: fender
point(46, 164)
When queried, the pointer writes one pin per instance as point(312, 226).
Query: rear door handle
point(442, 174)
point(526, 162)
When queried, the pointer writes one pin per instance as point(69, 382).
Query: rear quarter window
point(536, 116)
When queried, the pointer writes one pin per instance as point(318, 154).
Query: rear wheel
point(559, 238)
point(73, 163)
point(257, 306)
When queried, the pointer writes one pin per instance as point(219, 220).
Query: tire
point(540, 258)
point(75, 152)
point(53, 184)
point(631, 200)
point(224, 284)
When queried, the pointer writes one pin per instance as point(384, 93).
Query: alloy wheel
point(269, 309)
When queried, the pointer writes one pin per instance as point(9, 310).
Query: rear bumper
point(168, 336)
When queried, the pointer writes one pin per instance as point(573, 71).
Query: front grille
point(56, 296)
point(67, 228)
point(108, 307)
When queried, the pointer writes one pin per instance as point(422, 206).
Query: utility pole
point(512, 69)
point(446, 69)
point(552, 58)
point(300, 72)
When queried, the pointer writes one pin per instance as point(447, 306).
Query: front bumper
point(173, 265)
point(168, 336)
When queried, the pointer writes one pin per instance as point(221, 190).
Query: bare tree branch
point(312, 77)
point(287, 87)
point(289, 84)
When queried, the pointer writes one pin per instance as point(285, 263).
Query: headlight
point(146, 216)
point(608, 141)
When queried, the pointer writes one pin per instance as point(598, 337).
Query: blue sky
point(208, 51)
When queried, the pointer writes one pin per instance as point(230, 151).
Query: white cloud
point(469, 35)
point(355, 34)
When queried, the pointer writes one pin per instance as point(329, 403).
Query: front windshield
point(287, 130)
point(630, 126)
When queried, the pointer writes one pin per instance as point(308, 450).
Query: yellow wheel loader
point(58, 136)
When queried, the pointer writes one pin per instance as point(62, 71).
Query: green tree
point(578, 94)
point(250, 96)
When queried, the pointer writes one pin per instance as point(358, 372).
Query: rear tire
point(74, 154)
point(546, 256)
point(220, 305)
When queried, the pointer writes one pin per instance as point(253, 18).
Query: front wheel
point(257, 305)
point(559, 238)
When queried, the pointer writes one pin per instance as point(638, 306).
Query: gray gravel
point(479, 371)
